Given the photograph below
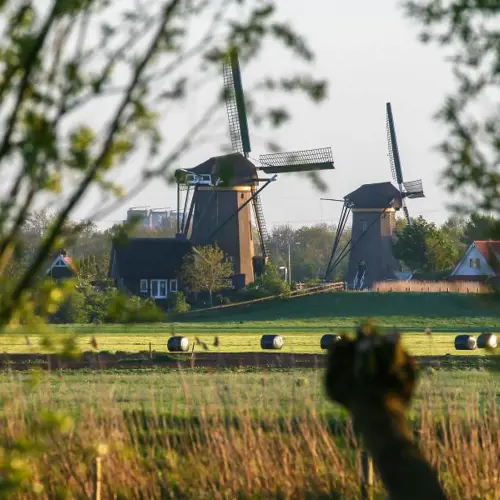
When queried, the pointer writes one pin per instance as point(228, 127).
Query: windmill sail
point(235, 104)
point(412, 189)
point(297, 161)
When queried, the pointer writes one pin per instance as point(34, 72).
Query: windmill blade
point(394, 159)
point(405, 210)
point(297, 161)
point(235, 104)
point(414, 189)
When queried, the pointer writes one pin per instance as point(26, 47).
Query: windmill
point(373, 208)
point(220, 193)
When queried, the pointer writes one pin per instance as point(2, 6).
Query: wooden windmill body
point(371, 259)
point(373, 208)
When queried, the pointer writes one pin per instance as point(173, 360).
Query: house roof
point(490, 250)
point(149, 258)
point(234, 169)
point(64, 258)
point(377, 195)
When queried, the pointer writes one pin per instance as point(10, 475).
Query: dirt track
point(201, 360)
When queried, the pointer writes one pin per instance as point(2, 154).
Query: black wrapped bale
point(465, 343)
point(487, 340)
point(271, 342)
point(328, 340)
point(178, 344)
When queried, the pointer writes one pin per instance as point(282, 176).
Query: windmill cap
point(377, 196)
point(234, 169)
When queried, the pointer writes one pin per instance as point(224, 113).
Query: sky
point(370, 54)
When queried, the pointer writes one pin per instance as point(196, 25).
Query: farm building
point(481, 262)
point(148, 267)
point(61, 267)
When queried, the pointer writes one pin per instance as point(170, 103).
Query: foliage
point(83, 88)
point(468, 30)
point(310, 249)
point(178, 303)
point(423, 247)
point(206, 270)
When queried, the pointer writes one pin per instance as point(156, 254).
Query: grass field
point(136, 338)
point(201, 435)
point(249, 433)
point(344, 309)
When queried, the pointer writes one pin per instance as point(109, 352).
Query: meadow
point(247, 432)
point(233, 434)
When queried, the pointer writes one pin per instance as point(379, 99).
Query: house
point(148, 267)
point(481, 262)
point(61, 267)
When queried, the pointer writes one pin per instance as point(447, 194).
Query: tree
point(83, 87)
point(310, 249)
point(469, 29)
point(480, 227)
point(206, 270)
point(423, 247)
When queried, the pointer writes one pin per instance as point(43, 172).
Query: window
point(144, 286)
point(475, 263)
point(159, 289)
point(173, 285)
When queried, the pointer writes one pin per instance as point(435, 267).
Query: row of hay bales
point(267, 342)
point(276, 342)
point(470, 343)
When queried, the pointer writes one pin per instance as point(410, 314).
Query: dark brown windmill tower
point(221, 193)
point(373, 208)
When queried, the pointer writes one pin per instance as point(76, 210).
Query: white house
point(481, 262)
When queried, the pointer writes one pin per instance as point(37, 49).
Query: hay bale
point(271, 342)
point(178, 344)
point(487, 341)
point(465, 343)
point(328, 340)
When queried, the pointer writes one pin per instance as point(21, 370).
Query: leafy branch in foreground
point(469, 29)
point(84, 88)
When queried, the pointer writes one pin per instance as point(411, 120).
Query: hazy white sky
point(370, 54)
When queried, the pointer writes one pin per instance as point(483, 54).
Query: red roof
point(491, 252)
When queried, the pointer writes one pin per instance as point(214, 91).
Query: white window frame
point(144, 286)
point(173, 286)
point(158, 281)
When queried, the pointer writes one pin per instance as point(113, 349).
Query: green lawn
point(344, 309)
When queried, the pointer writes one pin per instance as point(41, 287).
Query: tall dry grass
point(213, 452)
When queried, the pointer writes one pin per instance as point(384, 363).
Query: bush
point(88, 304)
point(177, 303)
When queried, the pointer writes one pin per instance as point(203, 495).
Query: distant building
point(154, 219)
point(148, 267)
point(62, 267)
point(481, 262)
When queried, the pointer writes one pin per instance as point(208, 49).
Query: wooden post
point(150, 352)
point(367, 476)
point(96, 494)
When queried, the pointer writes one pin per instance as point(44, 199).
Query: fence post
point(97, 479)
point(367, 476)
point(150, 352)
